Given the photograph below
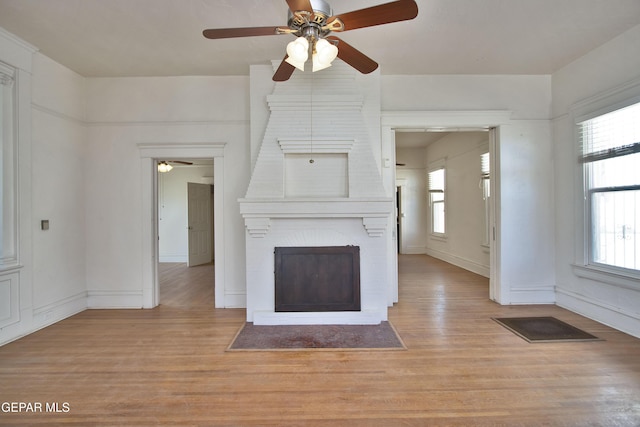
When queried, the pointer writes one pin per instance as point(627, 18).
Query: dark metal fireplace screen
point(319, 278)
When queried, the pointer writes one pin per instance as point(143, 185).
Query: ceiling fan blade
point(354, 57)
point(401, 10)
point(181, 162)
point(284, 71)
point(296, 5)
point(228, 33)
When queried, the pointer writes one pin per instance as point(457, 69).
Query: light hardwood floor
point(168, 366)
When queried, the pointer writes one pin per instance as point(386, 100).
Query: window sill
point(622, 279)
point(438, 237)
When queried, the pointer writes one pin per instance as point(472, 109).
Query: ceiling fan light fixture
point(164, 167)
point(298, 51)
point(324, 54)
point(312, 21)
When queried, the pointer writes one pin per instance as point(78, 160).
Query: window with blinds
point(485, 185)
point(436, 187)
point(610, 153)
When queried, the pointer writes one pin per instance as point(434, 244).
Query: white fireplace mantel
point(374, 212)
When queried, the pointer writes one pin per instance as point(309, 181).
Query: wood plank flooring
point(168, 366)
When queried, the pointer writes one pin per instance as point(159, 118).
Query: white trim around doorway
point(443, 121)
point(149, 155)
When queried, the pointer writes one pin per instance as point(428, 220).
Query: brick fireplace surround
point(316, 183)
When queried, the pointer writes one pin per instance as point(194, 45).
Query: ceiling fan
point(164, 165)
point(312, 22)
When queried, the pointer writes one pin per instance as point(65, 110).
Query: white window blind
point(485, 168)
point(485, 185)
point(436, 181)
point(611, 135)
point(610, 151)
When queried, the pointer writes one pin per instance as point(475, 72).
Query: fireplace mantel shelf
point(258, 213)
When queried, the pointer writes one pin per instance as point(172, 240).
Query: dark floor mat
point(544, 329)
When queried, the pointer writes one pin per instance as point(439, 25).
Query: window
point(485, 184)
point(610, 153)
point(8, 214)
point(436, 200)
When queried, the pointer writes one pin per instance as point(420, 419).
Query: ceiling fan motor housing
point(321, 11)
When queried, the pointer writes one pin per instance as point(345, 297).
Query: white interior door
point(199, 223)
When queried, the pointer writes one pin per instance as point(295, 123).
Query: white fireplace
point(316, 183)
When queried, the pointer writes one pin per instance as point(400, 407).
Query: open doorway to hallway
point(186, 233)
point(444, 206)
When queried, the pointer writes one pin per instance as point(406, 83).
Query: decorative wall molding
point(9, 299)
point(258, 213)
point(375, 225)
point(315, 102)
point(321, 145)
point(257, 227)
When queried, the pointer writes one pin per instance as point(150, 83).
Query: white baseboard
point(114, 299)
point(235, 299)
point(59, 310)
point(173, 258)
point(532, 295)
point(614, 317)
point(414, 250)
point(32, 320)
point(472, 266)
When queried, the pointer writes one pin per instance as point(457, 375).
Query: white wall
point(95, 241)
point(464, 204)
point(125, 112)
point(524, 165)
point(52, 138)
point(601, 78)
point(173, 245)
point(58, 152)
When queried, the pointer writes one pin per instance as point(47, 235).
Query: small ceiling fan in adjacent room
point(312, 22)
point(165, 165)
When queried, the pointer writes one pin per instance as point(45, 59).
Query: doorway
point(444, 221)
point(150, 155)
point(445, 121)
point(185, 232)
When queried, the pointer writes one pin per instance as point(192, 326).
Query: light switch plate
point(44, 224)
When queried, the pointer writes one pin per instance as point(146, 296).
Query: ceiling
point(113, 38)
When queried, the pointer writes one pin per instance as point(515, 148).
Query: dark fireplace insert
point(318, 278)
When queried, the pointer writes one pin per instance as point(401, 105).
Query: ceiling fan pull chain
point(311, 110)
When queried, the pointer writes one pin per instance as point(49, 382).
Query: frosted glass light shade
point(164, 167)
point(298, 51)
point(325, 53)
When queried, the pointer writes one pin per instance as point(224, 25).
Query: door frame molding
point(443, 120)
point(150, 153)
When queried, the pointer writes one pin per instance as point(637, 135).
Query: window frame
point(433, 167)
point(584, 266)
point(8, 168)
point(485, 187)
